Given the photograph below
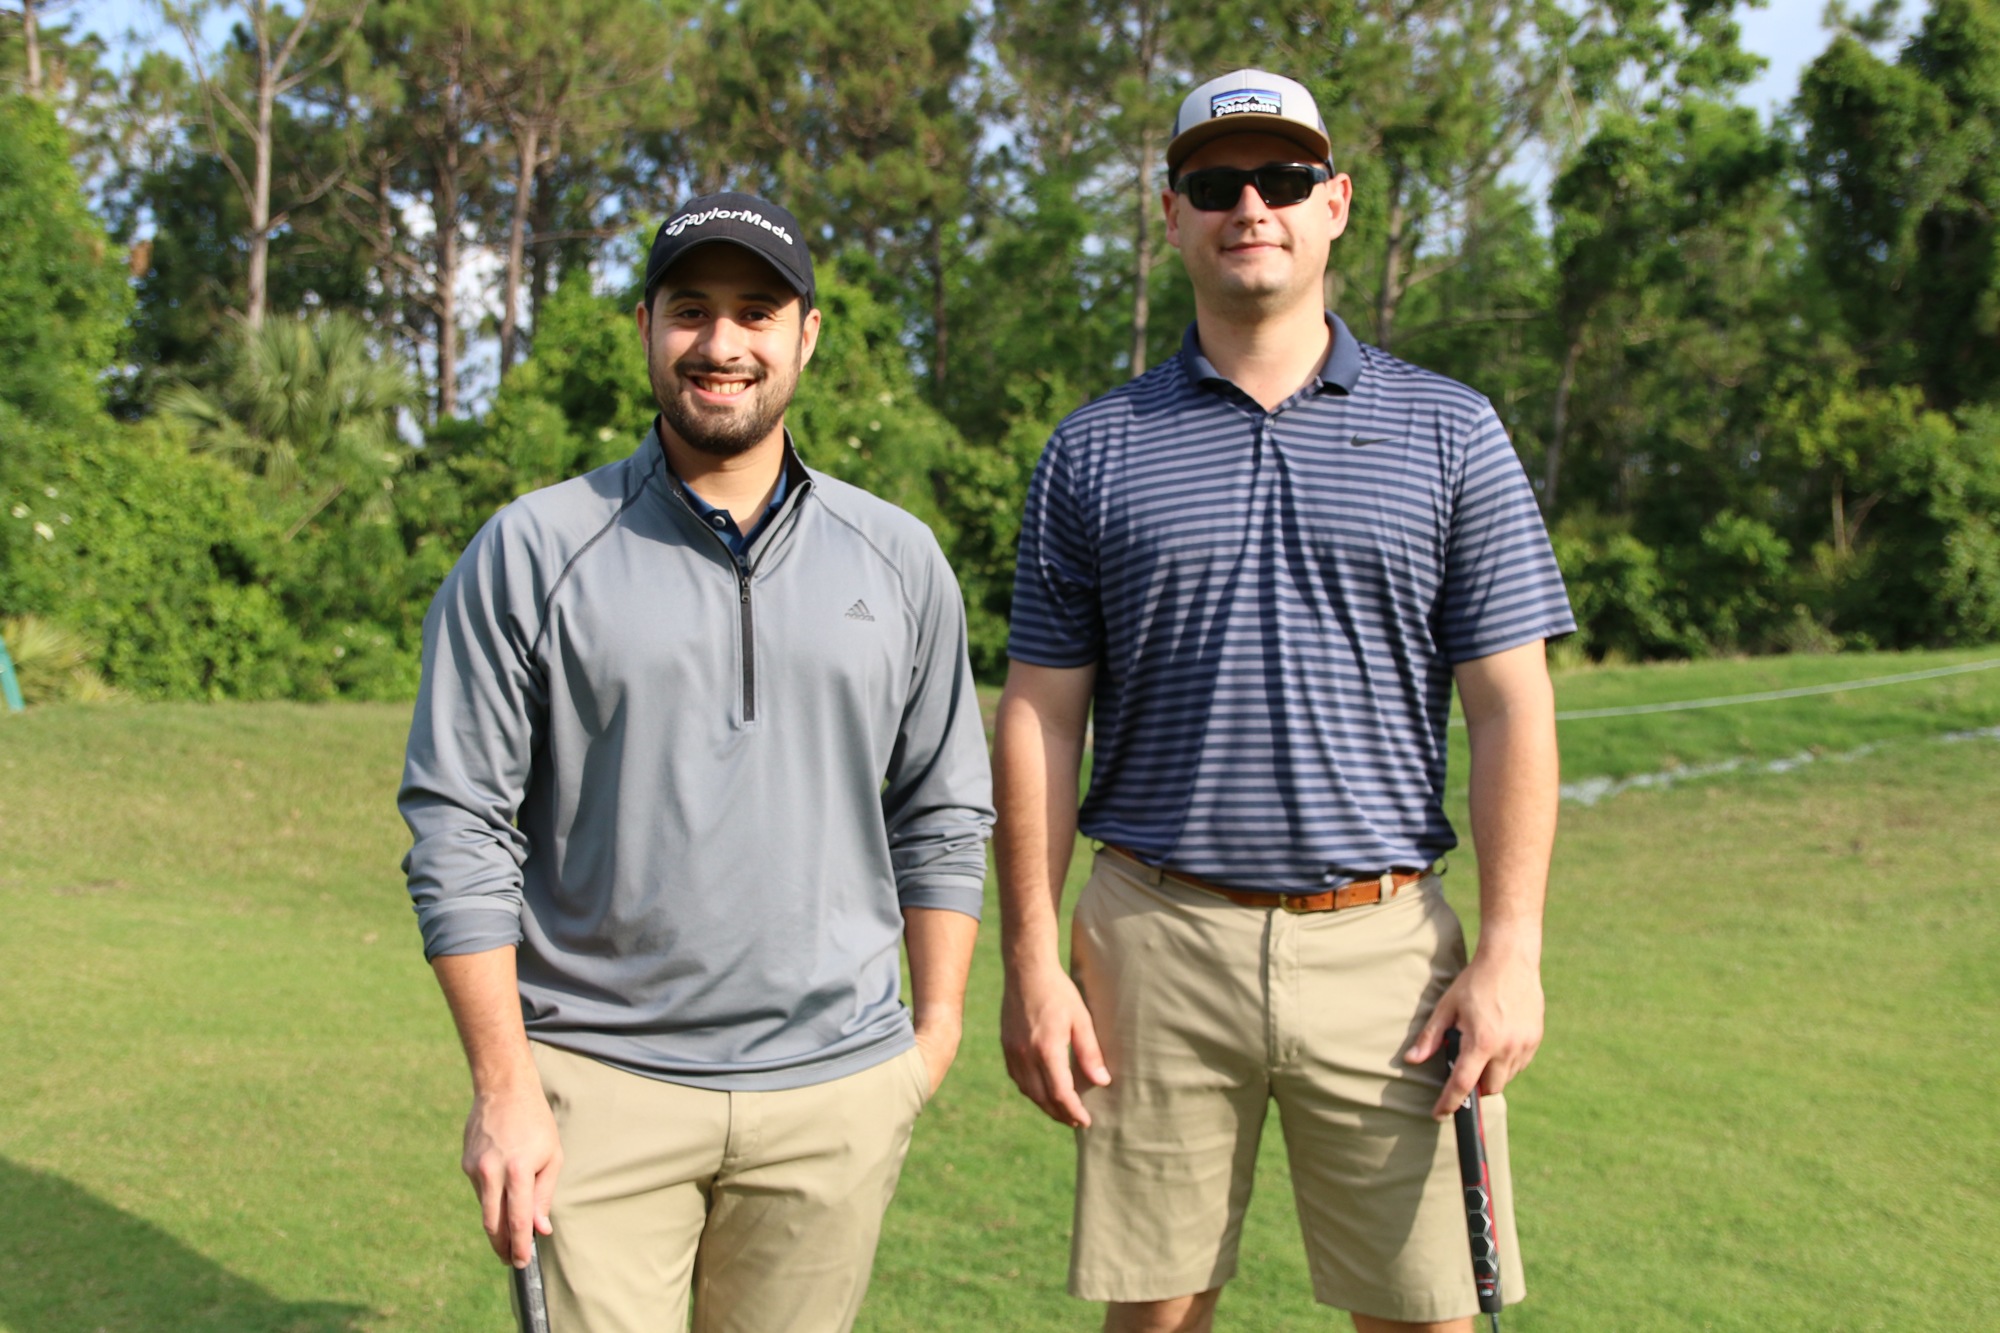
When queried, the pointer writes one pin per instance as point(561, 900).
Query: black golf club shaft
point(1477, 1182)
point(531, 1305)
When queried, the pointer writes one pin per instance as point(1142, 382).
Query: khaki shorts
point(1207, 1012)
point(765, 1205)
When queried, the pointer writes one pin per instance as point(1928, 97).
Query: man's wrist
point(1030, 941)
point(938, 1017)
point(1030, 960)
point(511, 1078)
point(1514, 942)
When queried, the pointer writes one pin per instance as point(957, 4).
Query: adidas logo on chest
point(860, 611)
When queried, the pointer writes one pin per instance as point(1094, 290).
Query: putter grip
point(531, 1305)
point(1477, 1182)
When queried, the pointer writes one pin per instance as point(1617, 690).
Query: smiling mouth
point(720, 386)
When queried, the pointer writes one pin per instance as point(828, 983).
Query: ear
point(1167, 211)
point(642, 315)
point(1340, 201)
point(808, 336)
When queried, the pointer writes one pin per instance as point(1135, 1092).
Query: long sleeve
point(937, 802)
point(472, 742)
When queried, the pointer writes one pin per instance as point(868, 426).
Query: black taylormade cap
point(757, 225)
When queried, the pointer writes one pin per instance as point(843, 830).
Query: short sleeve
point(1501, 584)
point(1057, 618)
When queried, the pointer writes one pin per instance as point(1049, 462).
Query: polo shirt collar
point(1340, 371)
point(793, 478)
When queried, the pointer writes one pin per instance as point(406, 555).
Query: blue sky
point(1788, 34)
point(1785, 32)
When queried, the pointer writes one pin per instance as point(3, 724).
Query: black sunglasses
point(1279, 185)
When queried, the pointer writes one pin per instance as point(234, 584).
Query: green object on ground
point(232, 1089)
point(10, 686)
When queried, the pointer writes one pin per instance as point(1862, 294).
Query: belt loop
point(1149, 875)
point(1389, 885)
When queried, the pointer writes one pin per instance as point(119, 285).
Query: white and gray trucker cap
point(1248, 101)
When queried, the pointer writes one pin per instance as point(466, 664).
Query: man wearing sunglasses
point(1257, 571)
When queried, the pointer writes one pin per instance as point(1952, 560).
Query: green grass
point(231, 1099)
point(1826, 724)
point(1821, 724)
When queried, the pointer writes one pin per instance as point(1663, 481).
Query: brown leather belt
point(1359, 893)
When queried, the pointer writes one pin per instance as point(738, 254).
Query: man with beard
point(696, 748)
point(1258, 570)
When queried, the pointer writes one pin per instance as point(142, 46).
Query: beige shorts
point(1208, 1011)
point(766, 1206)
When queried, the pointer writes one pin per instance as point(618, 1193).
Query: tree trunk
point(541, 256)
point(31, 37)
point(1390, 295)
point(1142, 229)
point(1142, 256)
point(941, 345)
point(444, 210)
point(528, 145)
point(1559, 429)
point(1840, 547)
point(444, 202)
point(260, 199)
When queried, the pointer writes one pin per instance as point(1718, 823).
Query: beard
point(724, 432)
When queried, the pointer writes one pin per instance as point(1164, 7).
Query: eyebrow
point(753, 298)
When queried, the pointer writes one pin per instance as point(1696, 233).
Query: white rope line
point(1766, 696)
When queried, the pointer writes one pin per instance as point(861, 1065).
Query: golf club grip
point(1477, 1182)
point(531, 1304)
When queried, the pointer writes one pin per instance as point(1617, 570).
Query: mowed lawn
point(230, 1098)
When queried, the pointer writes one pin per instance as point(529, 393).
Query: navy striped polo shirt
point(1275, 601)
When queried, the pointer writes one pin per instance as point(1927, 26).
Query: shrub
point(52, 662)
point(1617, 590)
point(159, 557)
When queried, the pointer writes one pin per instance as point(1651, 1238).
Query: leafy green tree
point(1903, 175)
point(1906, 549)
point(309, 407)
point(1671, 234)
point(861, 116)
point(32, 16)
point(1428, 104)
point(273, 54)
point(580, 399)
point(110, 531)
point(63, 298)
point(562, 72)
point(308, 410)
point(421, 171)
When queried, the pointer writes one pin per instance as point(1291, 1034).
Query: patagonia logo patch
point(860, 611)
point(1246, 101)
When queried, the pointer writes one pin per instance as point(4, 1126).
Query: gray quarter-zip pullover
point(695, 791)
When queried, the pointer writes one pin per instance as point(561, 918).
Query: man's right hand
point(512, 1156)
point(1043, 1023)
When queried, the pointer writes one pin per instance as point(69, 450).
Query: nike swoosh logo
point(1363, 441)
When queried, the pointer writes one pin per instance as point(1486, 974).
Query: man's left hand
point(1496, 1005)
point(938, 1040)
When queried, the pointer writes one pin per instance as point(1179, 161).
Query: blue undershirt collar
point(721, 520)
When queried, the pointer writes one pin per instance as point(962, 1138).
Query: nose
point(1250, 206)
point(723, 341)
